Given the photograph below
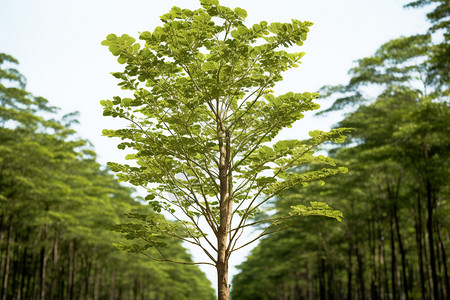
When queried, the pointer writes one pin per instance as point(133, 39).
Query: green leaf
point(126, 101)
point(317, 209)
point(241, 12)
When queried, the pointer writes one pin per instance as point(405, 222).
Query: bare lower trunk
point(446, 291)
point(112, 286)
point(359, 259)
point(349, 272)
point(7, 262)
point(393, 260)
point(223, 288)
point(432, 260)
point(71, 272)
point(420, 247)
point(44, 259)
point(222, 280)
point(310, 282)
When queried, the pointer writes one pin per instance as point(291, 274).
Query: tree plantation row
point(394, 241)
point(57, 208)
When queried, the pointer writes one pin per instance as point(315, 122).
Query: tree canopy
point(203, 119)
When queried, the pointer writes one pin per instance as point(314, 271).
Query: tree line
point(395, 237)
point(57, 208)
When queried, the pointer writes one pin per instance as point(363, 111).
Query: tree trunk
point(349, 272)
point(321, 272)
point(445, 291)
point(44, 259)
point(430, 206)
point(70, 270)
point(222, 268)
point(24, 273)
point(226, 201)
point(402, 253)
point(360, 272)
point(112, 286)
point(96, 279)
point(393, 260)
point(420, 247)
point(383, 283)
point(87, 275)
point(7, 261)
point(373, 262)
point(55, 275)
point(310, 281)
point(15, 276)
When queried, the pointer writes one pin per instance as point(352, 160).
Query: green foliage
point(201, 87)
point(394, 240)
point(317, 209)
point(439, 55)
point(57, 206)
point(202, 118)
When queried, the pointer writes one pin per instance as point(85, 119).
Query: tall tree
point(202, 117)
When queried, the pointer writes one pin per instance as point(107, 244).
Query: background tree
point(394, 241)
point(57, 206)
point(202, 117)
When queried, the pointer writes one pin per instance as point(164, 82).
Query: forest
point(64, 217)
point(394, 240)
point(58, 206)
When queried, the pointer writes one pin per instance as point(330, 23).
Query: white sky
point(57, 43)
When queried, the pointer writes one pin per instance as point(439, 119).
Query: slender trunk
point(24, 274)
point(399, 238)
point(322, 279)
point(349, 272)
point(7, 261)
point(43, 273)
point(360, 272)
point(112, 286)
point(55, 275)
point(2, 260)
point(37, 274)
point(75, 288)
point(223, 288)
point(331, 281)
point(373, 262)
point(430, 206)
point(393, 260)
point(70, 270)
point(103, 282)
point(383, 281)
point(30, 278)
point(44, 259)
point(142, 290)
point(62, 282)
point(310, 281)
point(446, 291)
point(440, 271)
point(222, 269)
point(428, 267)
point(135, 288)
point(402, 253)
point(15, 276)
point(96, 280)
point(87, 276)
point(420, 247)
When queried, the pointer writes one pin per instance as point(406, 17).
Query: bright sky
point(58, 46)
